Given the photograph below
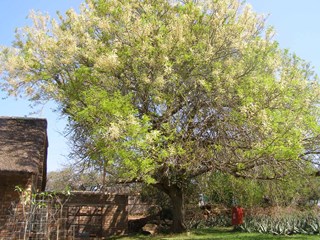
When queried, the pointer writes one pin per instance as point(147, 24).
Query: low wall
point(94, 214)
point(80, 215)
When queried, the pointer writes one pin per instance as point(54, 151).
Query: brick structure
point(96, 215)
point(23, 153)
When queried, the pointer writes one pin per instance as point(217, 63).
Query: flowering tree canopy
point(163, 91)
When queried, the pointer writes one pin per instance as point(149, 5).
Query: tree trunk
point(103, 189)
point(178, 211)
point(176, 196)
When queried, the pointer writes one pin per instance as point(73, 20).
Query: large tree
point(163, 91)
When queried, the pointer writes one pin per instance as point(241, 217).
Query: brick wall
point(139, 207)
point(80, 215)
point(98, 215)
point(9, 204)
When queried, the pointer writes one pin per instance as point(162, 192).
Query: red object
point(237, 216)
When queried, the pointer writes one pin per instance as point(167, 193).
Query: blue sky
point(13, 14)
point(297, 25)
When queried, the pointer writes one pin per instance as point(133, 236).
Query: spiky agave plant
point(282, 226)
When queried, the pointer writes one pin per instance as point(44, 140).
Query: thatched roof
point(23, 145)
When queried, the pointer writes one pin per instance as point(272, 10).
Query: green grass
point(219, 234)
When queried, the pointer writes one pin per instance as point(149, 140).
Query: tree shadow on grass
point(209, 231)
point(230, 234)
point(217, 234)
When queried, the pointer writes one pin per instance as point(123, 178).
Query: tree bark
point(178, 211)
point(176, 195)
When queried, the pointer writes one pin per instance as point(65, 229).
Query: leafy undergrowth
point(219, 233)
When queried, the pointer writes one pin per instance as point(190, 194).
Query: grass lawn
point(220, 233)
